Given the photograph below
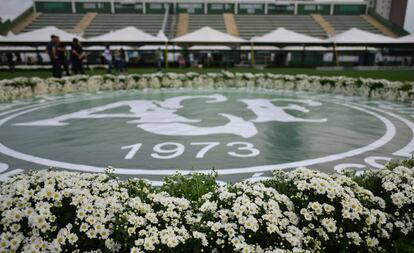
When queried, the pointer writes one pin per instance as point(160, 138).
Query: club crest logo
point(238, 133)
point(162, 118)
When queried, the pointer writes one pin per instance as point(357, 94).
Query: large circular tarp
point(242, 134)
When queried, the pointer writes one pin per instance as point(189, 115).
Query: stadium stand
point(214, 21)
point(103, 23)
point(346, 22)
point(375, 23)
point(171, 25)
point(20, 26)
point(91, 18)
point(326, 26)
point(182, 24)
point(255, 25)
point(62, 21)
point(230, 23)
point(84, 23)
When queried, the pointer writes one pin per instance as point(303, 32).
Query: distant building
point(392, 10)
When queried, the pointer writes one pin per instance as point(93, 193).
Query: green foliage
point(191, 187)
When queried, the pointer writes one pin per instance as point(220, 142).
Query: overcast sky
point(9, 9)
point(409, 17)
point(12, 8)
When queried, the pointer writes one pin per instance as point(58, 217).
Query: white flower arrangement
point(19, 88)
point(297, 211)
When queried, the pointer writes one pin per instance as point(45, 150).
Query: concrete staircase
point(326, 26)
point(84, 22)
point(378, 25)
point(21, 26)
point(231, 25)
point(182, 24)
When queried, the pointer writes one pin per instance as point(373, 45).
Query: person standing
point(158, 59)
point(124, 65)
point(77, 56)
point(52, 51)
point(117, 61)
point(108, 58)
point(10, 61)
point(39, 58)
point(62, 56)
point(18, 58)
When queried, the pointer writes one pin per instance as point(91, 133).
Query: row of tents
point(206, 35)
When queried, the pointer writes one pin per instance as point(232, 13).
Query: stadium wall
point(243, 7)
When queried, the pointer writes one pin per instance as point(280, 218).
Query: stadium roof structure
point(357, 36)
point(128, 35)
point(284, 36)
point(41, 35)
point(208, 35)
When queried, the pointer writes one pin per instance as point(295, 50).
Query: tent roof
point(102, 48)
point(282, 35)
point(162, 47)
point(301, 48)
point(161, 36)
point(209, 48)
point(127, 34)
point(42, 35)
point(260, 48)
point(406, 39)
point(208, 35)
point(355, 35)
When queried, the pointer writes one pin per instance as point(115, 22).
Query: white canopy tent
point(102, 48)
point(161, 47)
point(406, 39)
point(209, 48)
point(128, 34)
point(20, 49)
point(328, 49)
point(259, 48)
point(310, 48)
point(161, 36)
point(284, 36)
point(357, 36)
point(208, 35)
point(41, 35)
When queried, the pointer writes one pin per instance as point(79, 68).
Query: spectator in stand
point(52, 51)
point(10, 61)
point(77, 57)
point(108, 58)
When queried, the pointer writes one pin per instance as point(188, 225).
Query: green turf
point(394, 75)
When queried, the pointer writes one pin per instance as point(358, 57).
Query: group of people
point(57, 53)
point(115, 58)
point(13, 58)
